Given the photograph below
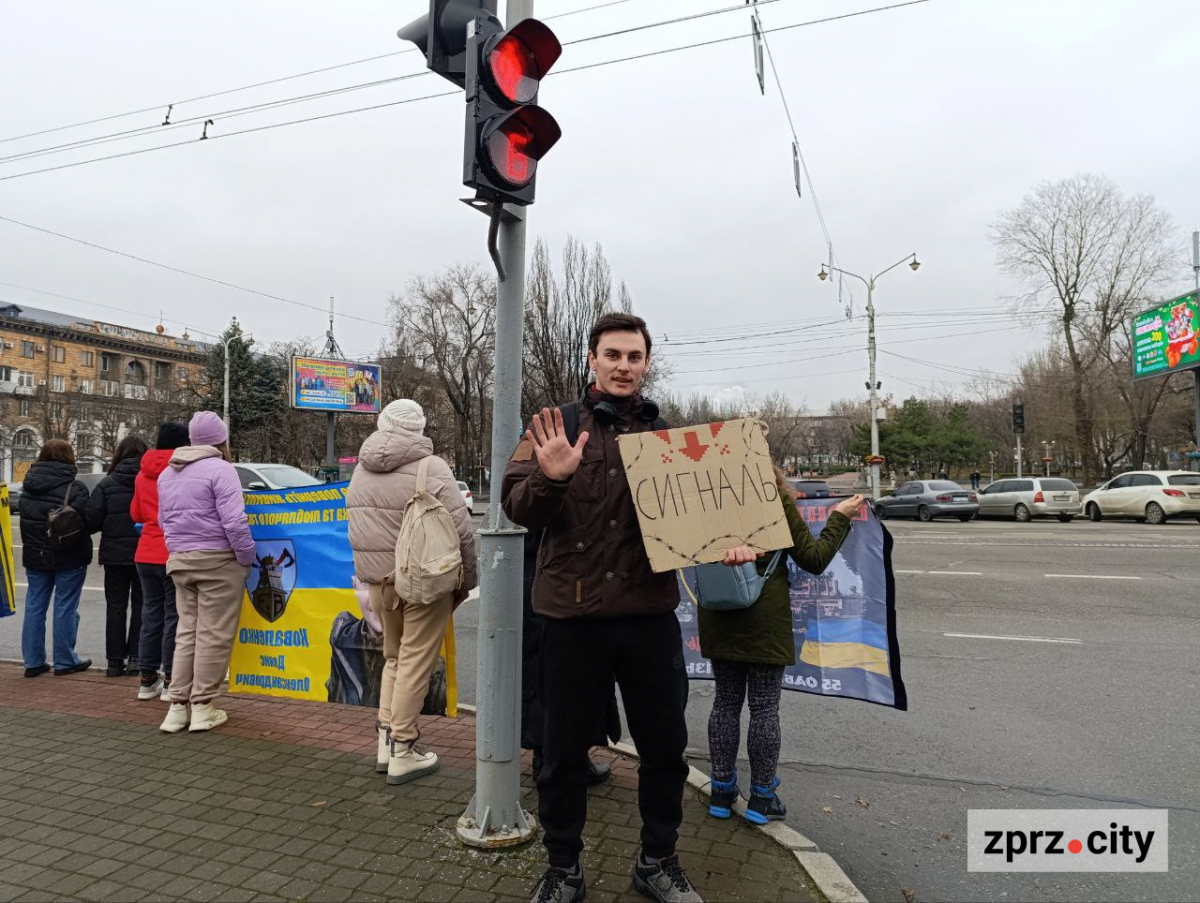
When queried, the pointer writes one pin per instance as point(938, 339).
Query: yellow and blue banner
point(8, 587)
point(843, 621)
point(305, 630)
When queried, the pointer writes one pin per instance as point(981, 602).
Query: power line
point(446, 93)
point(163, 266)
point(262, 84)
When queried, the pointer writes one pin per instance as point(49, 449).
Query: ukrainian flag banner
point(843, 621)
point(8, 588)
point(305, 630)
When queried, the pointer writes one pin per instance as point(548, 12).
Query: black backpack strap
point(659, 424)
point(570, 415)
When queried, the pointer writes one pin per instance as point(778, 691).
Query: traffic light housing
point(442, 35)
point(507, 133)
point(1018, 414)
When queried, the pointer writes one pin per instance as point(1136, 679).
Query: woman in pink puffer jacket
point(203, 519)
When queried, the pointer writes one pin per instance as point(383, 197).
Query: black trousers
point(123, 621)
point(580, 658)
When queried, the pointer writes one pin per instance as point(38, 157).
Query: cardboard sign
point(701, 490)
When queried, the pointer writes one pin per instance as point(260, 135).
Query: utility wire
point(272, 81)
point(163, 266)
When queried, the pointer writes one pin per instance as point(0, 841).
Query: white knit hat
point(402, 414)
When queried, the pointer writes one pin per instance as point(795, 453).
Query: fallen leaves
point(863, 801)
point(909, 895)
point(321, 803)
point(828, 810)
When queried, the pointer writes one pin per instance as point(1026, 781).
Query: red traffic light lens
point(508, 148)
point(521, 57)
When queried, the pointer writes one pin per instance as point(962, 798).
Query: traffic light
point(507, 133)
point(442, 35)
point(1018, 418)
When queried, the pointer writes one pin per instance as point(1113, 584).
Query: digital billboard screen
point(321, 384)
point(1166, 338)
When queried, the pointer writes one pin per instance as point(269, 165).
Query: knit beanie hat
point(171, 436)
point(402, 414)
point(206, 428)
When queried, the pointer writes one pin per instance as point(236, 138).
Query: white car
point(1149, 495)
point(467, 496)
point(273, 476)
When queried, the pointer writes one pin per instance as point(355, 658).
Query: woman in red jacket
point(159, 618)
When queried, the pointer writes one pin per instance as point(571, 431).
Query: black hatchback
point(811, 489)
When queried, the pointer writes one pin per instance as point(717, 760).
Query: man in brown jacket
point(607, 615)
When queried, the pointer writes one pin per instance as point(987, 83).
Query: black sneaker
point(664, 880)
point(597, 772)
point(560, 886)
point(116, 668)
point(765, 805)
point(724, 794)
point(38, 671)
point(79, 666)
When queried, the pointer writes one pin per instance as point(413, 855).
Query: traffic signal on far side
point(442, 36)
point(1018, 412)
point(507, 133)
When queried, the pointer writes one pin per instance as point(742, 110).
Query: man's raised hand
point(557, 457)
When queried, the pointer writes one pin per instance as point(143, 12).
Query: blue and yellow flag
point(843, 621)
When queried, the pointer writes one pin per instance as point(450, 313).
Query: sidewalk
point(282, 803)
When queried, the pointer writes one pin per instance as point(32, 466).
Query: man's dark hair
point(172, 435)
point(618, 323)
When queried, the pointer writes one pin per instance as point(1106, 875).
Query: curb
point(822, 868)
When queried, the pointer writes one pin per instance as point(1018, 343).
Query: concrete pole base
point(480, 831)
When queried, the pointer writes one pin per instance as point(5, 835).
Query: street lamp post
point(873, 383)
point(1048, 457)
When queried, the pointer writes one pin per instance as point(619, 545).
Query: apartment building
point(86, 381)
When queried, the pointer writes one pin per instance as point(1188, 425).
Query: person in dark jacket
point(606, 615)
point(156, 648)
point(53, 572)
point(749, 648)
point(108, 515)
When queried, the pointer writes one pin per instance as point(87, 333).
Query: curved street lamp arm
point(848, 273)
point(903, 259)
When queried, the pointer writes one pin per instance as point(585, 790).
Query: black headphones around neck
point(606, 413)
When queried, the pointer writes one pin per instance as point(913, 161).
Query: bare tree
point(1088, 254)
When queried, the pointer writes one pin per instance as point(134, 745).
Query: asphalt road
point(1106, 720)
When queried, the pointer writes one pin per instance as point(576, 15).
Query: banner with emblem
point(8, 586)
point(306, 630)
point(843, 621)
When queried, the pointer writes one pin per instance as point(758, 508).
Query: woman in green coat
point(749, 648)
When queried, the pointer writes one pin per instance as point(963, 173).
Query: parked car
point(273, 476)
point(927, 499)
point(1028, 497)
point(810, 489)
point(1149, 495)
point(14, 496)
point(467, 496)
point(90, 480)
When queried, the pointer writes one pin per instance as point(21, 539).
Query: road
point(1093, 707)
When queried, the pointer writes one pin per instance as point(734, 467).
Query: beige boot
point(206, 716)
point(408, 762)
point(177, 718)
point(383, 747)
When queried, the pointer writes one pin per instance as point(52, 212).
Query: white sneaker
point(177, 718)
point(166, 691)
point(407, 762)
point(383, 747)
point(206, 716)
point(149, 692)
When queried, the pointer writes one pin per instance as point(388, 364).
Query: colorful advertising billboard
point(321, 384)
point(1166, 338)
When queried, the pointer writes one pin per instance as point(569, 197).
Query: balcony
point(110, 388)
point(25, 390)
point(7, 386)
point(137, 393)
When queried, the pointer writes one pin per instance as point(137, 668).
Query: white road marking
point(1024, 639)
point(909, 572)
point(959, 573)
point(1091, 577)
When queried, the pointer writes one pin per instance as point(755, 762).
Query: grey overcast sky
point(918, 125)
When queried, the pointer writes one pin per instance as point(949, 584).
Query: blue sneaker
point(724, 795)
point(764, 804)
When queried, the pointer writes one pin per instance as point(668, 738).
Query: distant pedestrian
point(57, 550)
point(108, 515)
point(204, 523)
point(156, 646)
point(394, 465)
point(976, 476)
point(749, 649)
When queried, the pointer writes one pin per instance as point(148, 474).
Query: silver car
point(1029, 497)
point(927, 499)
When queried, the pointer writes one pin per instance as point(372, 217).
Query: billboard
point(321, 384)
point(1166, 338)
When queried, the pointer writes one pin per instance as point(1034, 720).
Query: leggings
point(725, 722)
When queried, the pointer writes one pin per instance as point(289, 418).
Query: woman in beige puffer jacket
point(383, 483)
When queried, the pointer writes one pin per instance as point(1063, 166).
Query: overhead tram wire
point(272, 81)
point(660, 52)
point(164, 266)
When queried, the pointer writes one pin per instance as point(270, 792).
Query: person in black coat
point(53, 568)
point(108, 515)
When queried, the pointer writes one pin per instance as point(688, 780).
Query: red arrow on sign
point(693, 447)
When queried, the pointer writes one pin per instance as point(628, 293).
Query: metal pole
point(227, 383)
point(1020, 457)
point(874, 391)
point(494, 817)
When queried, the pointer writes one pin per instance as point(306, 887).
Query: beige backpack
point(428, 560)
